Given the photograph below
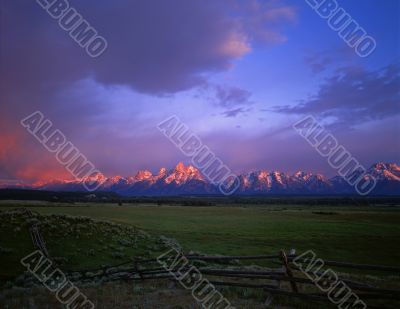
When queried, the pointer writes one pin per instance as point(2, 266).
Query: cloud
point(353, 95)
point(233, 100)
point(262, 19)
point(232, 96)
point(318, 63)
point(22, 157)
point(268, 151)
point(323, 60)
point(155, 47)
point(224, 96)
point(235, 112)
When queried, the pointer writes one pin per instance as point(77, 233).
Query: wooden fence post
point(289, 272)
point(136, 268)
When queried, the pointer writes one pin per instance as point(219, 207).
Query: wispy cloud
point(353, 95)
point(234, 112)
point(320, 61)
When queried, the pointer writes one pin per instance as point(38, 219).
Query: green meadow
point(354, 234)
point(92, 235)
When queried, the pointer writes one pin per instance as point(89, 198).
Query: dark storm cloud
point(156, 47)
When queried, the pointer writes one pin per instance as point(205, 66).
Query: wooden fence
point(270, 280)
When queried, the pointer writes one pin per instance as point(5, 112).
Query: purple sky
point(240, 73)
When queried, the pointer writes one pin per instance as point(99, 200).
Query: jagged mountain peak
point(180, 167)
point(187, 179)
point(385, 171)
point(96, 177)
point(143, 175)
point(386, 166)
point(383, 165)
point(182, 174)
point(302, 174)
point(162, 171)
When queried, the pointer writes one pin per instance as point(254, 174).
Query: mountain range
point(188, 180)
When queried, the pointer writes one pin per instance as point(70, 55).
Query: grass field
point(356, 234)
point(74, 242)
point(352, 234)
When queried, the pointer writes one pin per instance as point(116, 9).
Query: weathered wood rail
point(139, 270)
point(149, 269)
point(37, 239)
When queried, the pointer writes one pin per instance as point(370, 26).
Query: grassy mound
point(75, 243)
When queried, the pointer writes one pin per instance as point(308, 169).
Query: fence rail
point(138, 270)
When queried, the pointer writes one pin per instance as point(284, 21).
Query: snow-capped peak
point(188, 179)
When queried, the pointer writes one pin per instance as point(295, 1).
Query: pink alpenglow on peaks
point(186, 179)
